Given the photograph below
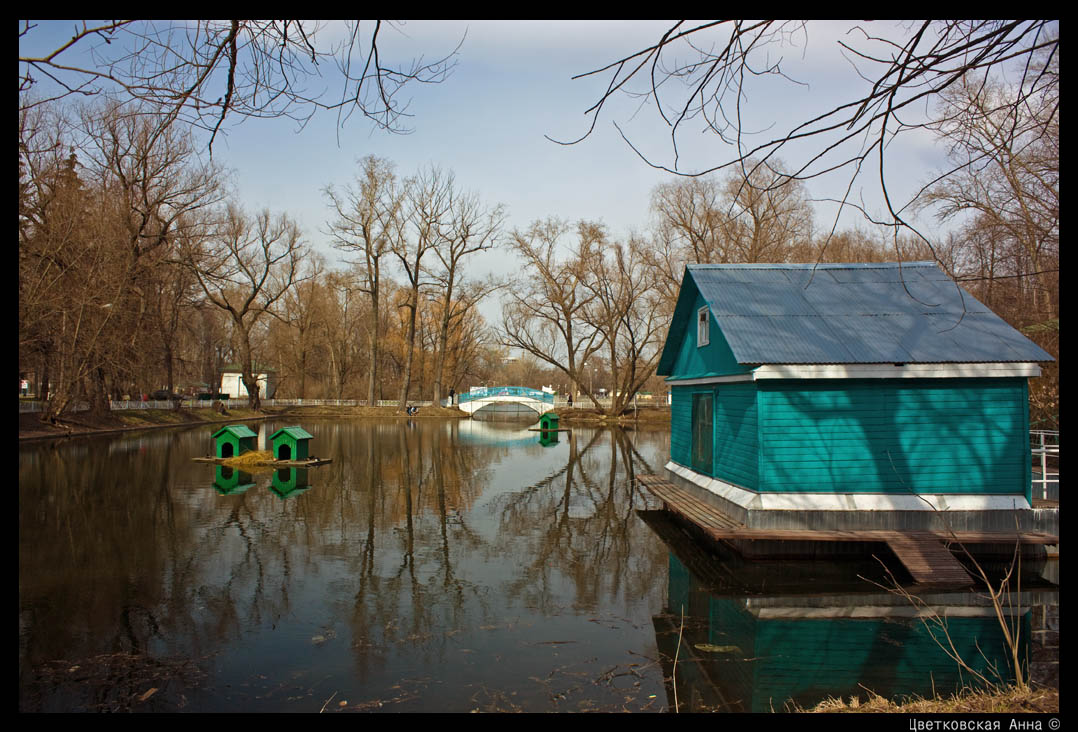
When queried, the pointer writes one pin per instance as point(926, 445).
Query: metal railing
point(498, 391)
point(1045, 447)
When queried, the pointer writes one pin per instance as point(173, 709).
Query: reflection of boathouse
point(750, 636)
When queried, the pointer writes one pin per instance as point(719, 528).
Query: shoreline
point(32, 429)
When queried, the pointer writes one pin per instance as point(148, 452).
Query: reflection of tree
point(582, 528)
point(127, 551)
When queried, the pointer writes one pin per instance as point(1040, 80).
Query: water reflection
point(432, 566)
point(290, 482)
point(751, 637)
point(428, 571)
point(229, 481)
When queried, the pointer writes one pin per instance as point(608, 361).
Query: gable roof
point(237, 430)
point(295, 432)
point(909, 312)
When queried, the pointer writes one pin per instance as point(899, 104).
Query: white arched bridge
point(500, 398)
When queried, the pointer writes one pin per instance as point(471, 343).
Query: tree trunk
point(402, 402)
point(373, 388)
point(443, 346)
point(99, 395)
point(254, 400)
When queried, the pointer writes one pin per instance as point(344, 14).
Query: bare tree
point(368, 217)
point(699, 78)
point(160, 188)
point(107, 222)
point(625, 310)
point(466, 350)
point(765, 215)
point(202, 72)
point(748, 216)
point(71, 279)
point(244, 269)
point(428, 201)
point(348, 316)
point(688, 215)
point(304, 308)
point(1007, 160)
point(544, 315)
point(472, 229)
point(175, 288)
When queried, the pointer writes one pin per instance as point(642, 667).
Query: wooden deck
point(924, 554)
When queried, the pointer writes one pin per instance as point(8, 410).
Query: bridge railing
point(486, 392)
point(1045, 446)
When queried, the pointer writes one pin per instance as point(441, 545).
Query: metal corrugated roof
point(854, 313)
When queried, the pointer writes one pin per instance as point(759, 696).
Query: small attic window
point(703, 322)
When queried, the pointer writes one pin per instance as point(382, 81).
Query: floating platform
point(924, 554)
point(309, 463)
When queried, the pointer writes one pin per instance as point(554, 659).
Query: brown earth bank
point(31, 427)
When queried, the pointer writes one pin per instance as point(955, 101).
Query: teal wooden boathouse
point(848, 396)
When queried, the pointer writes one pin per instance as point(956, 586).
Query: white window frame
point(703, 327)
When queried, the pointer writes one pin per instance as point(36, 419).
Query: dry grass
point(250, 460)
point(1007, 700)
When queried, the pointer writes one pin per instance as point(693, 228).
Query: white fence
point(117, 405)
point(559, 402)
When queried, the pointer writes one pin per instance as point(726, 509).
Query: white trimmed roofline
point(871, 371)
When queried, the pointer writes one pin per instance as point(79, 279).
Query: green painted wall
point(734, 445)
point(957, 436)
point(297, 449)
point(714, 359)
point(895, 436)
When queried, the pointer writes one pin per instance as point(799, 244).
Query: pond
point(433, 566)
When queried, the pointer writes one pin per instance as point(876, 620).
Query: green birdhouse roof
point(236, 430)
point(295, 432)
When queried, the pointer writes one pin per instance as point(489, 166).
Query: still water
point(434, 566)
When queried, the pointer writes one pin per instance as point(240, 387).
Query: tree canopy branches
point(904, 74)
point(203, 72)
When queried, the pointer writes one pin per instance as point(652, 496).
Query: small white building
point(232, 383)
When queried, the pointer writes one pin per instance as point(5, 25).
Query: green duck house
point(291, 443)
point(234, 440)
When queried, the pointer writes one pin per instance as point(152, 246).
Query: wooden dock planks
point(923, 553)
point(684, 503)
point(928, 561)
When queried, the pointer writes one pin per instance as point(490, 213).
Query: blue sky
point(511, 86)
